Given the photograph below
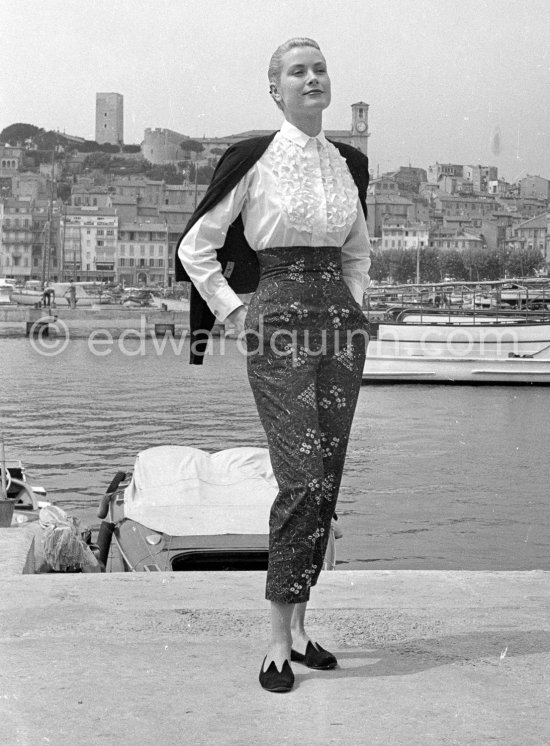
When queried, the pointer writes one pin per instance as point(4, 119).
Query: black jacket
point(239, 262)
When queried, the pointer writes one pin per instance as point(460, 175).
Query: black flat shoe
point(315, 657)
point(277, 681)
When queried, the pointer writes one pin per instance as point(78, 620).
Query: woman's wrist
point(236, 314)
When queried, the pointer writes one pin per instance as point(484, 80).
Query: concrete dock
point(165, 658)
point(81, 322)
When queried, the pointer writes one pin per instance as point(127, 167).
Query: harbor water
point(437, 477)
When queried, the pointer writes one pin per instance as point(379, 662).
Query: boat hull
point(507, 353)
point(386, 369)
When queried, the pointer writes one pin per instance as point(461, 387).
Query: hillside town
point(102, 211)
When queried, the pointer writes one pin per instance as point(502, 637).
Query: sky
point(459, 81)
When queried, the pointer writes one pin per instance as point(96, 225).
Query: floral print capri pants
point(306, 339)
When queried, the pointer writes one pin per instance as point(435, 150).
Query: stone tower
point(109, 118)
point(360, 126)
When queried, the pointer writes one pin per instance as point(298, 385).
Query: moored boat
point(23, 500)
point(461, 346)
point(185, 509)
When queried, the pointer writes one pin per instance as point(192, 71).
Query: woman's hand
point(236, 318)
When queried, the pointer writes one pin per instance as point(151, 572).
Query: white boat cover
point(184, 491)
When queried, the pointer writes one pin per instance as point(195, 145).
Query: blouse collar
point(300, 138)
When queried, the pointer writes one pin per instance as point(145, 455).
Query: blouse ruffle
point(296, 174)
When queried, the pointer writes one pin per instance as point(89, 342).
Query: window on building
point(142, 262)
point(151, 262)
point(160, 262)
point(130, 262)
point(122, 262)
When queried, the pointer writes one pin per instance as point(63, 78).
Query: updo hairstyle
point(276, 61)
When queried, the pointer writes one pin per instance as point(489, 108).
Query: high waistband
point(294, 261)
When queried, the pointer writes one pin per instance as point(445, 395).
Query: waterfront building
point(143, 253)
point(498, 230)
point(88, 243)
point(457, 206)
point(109, 118)
point(16, 242)
point(455, 239)
point(387, 208)
point(405, 235)
point(164, 145)
point(532, 234)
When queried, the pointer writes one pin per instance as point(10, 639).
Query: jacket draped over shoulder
point(238, 260)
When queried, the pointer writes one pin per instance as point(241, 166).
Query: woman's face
point(304, 85)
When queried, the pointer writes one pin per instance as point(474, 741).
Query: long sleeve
point(356, 257)
point(197, 252)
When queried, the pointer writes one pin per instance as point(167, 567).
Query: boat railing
point(527, 299)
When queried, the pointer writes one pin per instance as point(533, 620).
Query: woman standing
point(305, 330)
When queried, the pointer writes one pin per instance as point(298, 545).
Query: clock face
point(361, 126)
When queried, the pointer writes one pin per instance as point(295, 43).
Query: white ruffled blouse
point(299, 193)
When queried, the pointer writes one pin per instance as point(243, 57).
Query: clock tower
point(360, 126)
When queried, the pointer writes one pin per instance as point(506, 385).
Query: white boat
point(6, 291)
point(461, 347)
point(510, 352)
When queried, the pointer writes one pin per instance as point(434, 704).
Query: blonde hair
point(276, 61)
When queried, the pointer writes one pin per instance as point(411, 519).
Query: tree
point(167, 172)
point(19, 132)
point(191, 146)
point(380, 266)
point(430, 268)
point(523, 262)
point(63, 189)
point(108, 147)
point(451, 264)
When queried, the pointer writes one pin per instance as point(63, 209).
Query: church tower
point(360, 126)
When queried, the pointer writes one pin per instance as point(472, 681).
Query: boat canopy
point(183, 491)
